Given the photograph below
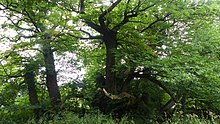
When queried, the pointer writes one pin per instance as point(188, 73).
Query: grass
point(191, 119)
point(70, 118)
point(96, 118)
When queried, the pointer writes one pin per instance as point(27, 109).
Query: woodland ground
point(70, 118)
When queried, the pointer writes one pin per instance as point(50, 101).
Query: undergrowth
point(96, 118)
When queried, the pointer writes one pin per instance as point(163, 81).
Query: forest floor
point(70, 118)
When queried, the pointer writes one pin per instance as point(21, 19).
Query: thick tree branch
point(95, 26)
point(148, 76)
point(89, 23)
point(32, 21)
point(5, 7)
point(16, 24)
point(90, 36)
point(159, 83)
point(146, 8)
point(131, 14)
point(154, 22)
point(19, 27)
point(27, 14)
point(125, 20)
point(104, 13)
point(122, 95)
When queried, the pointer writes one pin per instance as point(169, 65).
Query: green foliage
point(76, 96)
point(192, 119)
point(70, 118)
point(15, 114)
point(64, 118)
point(177, 39)
point(191, 66)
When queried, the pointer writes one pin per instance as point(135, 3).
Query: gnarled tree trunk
point(111, 46)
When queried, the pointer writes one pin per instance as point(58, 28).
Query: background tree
point(39, 33)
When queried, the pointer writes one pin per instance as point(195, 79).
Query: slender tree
point(29, 79)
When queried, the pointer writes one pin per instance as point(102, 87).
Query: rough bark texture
point(29, 78)
point(111, 45)
point(51, 76)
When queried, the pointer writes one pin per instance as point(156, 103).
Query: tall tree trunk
point(29, 78)
point(51, 76)
point(111, 46)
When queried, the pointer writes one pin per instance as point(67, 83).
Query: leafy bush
point(15, 114)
